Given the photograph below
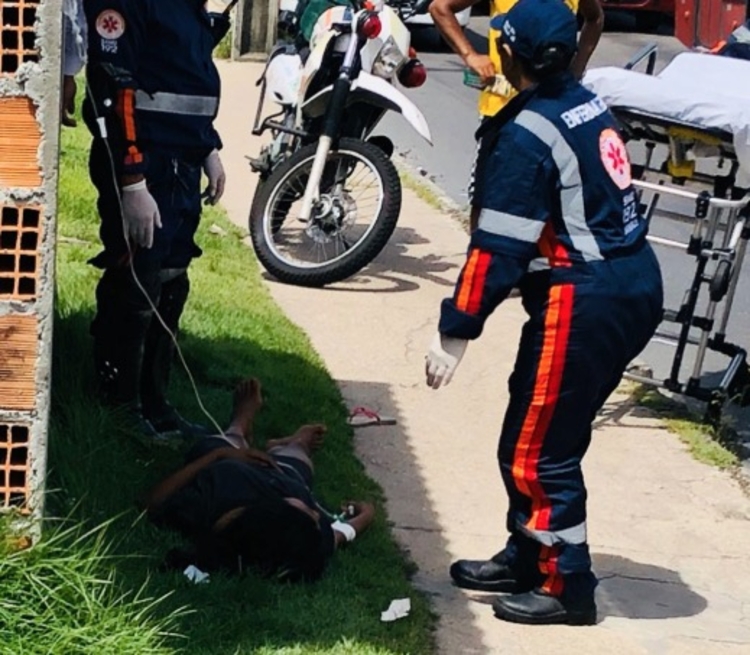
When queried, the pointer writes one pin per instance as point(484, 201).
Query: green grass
point(704, 442)
point(231, 329)
point(224, 49)
point(429, 193)
point(60, 597)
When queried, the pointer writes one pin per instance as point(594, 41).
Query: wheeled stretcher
point(688, 133)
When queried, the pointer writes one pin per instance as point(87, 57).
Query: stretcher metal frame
point(719, 241)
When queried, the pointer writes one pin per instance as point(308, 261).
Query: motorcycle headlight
point(389, 59)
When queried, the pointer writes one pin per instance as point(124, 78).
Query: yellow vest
point(491, 103)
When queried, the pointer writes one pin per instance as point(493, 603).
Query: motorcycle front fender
point(377, 92)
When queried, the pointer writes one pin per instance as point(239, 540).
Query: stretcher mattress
point(706, 92)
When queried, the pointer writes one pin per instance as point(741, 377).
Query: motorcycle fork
point(331, 126)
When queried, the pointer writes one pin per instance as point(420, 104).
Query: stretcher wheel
point(714, 410)
point(720, 280)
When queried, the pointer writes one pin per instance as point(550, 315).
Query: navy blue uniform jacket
point(151, 73)
point(554, 188)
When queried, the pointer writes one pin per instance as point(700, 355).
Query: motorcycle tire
point(362, 253)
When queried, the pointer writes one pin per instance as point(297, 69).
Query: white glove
point(140, 214)
point(214, 170)
point(443, 358)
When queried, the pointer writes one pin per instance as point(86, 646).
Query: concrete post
point(30, 50)
point(254, 28)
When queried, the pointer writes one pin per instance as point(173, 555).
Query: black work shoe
point(132, 419)
point(486, 575)
point(537, 607)
point(171, 424)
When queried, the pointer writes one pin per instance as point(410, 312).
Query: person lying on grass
point(242, 507)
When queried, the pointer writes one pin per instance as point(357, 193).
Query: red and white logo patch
point(615, 158)
point(110, 24)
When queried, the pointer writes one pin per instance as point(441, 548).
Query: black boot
point(157, 363)
point(118, 359)
point(495, 574)
point(537, 607)
point(119, 331)
point(513, 570)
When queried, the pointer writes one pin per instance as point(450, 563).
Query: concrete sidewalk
point(669, 536)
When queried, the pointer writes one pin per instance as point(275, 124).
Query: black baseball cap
point(532, 25)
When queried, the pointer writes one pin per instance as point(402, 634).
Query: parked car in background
point(648, 13)
point(424, 22)
point(463, 18)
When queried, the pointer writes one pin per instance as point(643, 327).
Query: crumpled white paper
point(195, 575)
point(398, 609)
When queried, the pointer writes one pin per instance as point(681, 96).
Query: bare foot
point(246, 403)
point(310, 437)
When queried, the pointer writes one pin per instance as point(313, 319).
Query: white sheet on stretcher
point(704, 90)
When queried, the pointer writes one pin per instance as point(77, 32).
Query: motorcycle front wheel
point(358, 206)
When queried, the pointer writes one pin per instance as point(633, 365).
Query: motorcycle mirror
point(422, 7)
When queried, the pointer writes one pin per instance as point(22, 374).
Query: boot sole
point(566, 618)
point(502, 587)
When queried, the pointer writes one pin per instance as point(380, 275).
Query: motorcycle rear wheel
point(274, 206)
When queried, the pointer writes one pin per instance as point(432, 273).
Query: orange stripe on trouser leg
point(541, 508)
point(477, 287)
point(553, 583)
point(464, 293)
point(523, 476)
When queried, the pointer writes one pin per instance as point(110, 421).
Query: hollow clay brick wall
point(30, 35)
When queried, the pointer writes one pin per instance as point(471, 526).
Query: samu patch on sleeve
point(615, 158)
point(110, 25)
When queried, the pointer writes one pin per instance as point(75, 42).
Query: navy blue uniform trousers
point(574, 349)
point(125, 332)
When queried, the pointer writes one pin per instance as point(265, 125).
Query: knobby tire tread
point(385, 223)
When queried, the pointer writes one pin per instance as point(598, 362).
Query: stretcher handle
point(649, 51)
point(721, 203)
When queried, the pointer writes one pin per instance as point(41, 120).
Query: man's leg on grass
point(294, 455)
point(301, 445)
point(246, 403)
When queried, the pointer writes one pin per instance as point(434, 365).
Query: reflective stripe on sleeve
point(176, 103)
point(538, 264)
point(571, 194)
point(509, 225)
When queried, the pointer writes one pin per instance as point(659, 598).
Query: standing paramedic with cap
point(560, 221)
point(153, 95)
point(494, 97)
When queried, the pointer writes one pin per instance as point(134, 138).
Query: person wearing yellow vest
point(497, 93)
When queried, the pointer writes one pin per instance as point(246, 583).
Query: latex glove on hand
point(443, 358)
point(140, 214)
point(214, 170)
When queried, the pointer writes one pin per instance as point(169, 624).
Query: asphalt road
point(451, 111)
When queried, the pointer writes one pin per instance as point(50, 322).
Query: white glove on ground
point(443, 358)
point(140, 214)
point(214, 170)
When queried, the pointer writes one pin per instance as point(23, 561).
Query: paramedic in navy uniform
point(153, 95)
point(560, 220)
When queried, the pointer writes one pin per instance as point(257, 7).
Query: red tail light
point(413, 74)
point(370, 26)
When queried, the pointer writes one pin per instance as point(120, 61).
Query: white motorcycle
point(329, 196)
